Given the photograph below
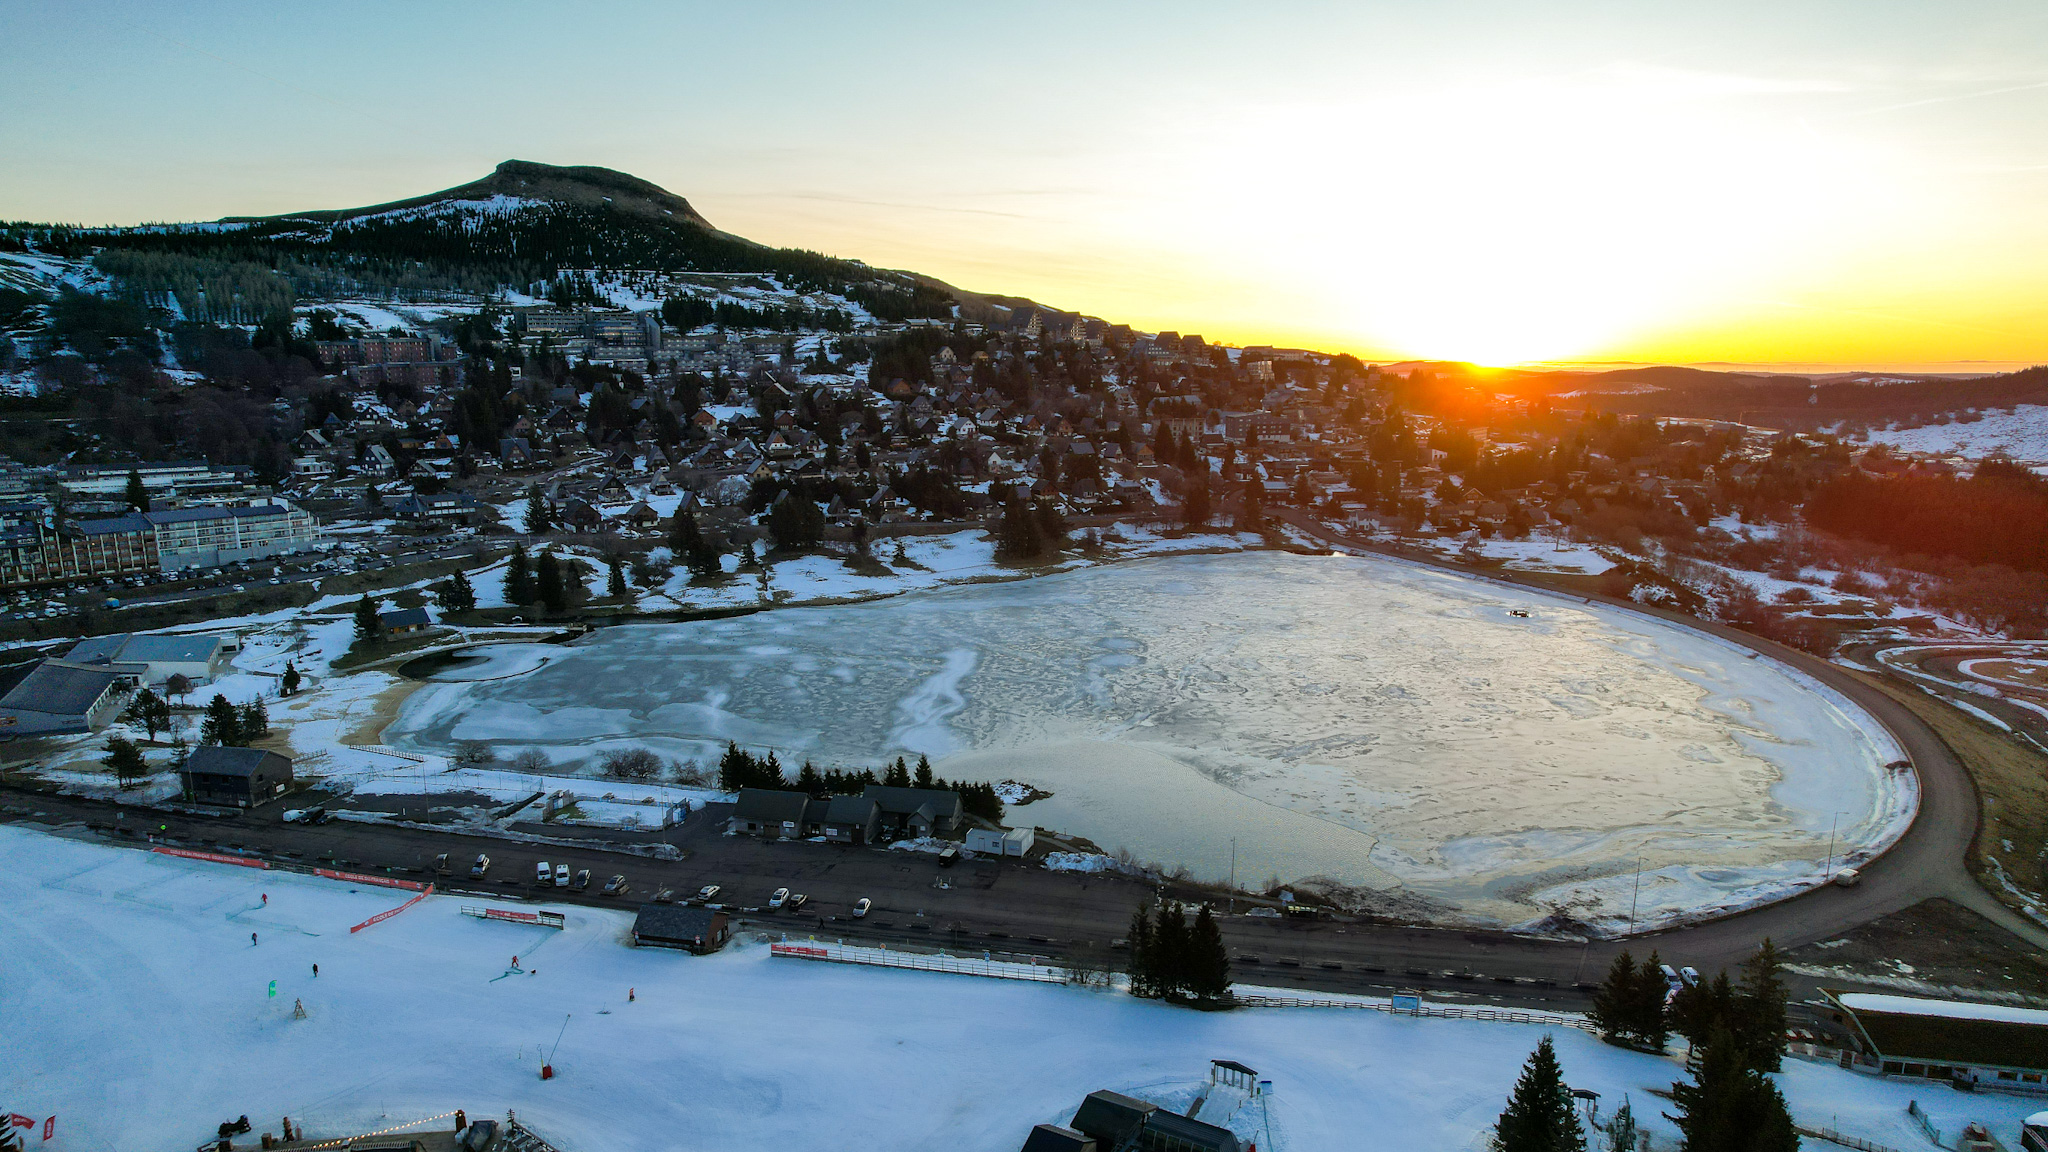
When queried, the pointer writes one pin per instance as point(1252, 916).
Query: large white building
point(204, 537)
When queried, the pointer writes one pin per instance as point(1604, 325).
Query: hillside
point(586, 186)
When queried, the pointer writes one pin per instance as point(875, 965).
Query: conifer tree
point(149, 710)
point(808, 780)
point(537, 521)
point(1539, 1116)
point(1760, 1015)
point(1646, 1008)
point(254, 721)
point(518, 578)
point(1613, 1003)
point(554, 595)
point(1170, 946)
point(1251, 514)
point(368, 625)
point(288, 684)
point(924, 772)
point(1730, 1107)
point(222, 725)
point(457, 594)
point(1208, 961)
point(1621, 1128)
point(138, 494)
point(1197, 509)
point(1143, 981)
point(125, 759)
point(615, 579)
point(898, 775)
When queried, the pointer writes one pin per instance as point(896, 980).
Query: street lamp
point(1828, 869)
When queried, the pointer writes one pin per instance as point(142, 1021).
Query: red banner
point(800, 950)
point(359, 878)
point(388, 913)
point(49, 1127)
point(216, 857)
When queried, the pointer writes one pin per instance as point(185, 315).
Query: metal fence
point(1427, 1011)
point(1834, 1137)
point(922, 962)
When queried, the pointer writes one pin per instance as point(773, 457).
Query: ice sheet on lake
point(1377, 723)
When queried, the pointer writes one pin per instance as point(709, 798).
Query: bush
point(630, 764)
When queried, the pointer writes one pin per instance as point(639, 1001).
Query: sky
point(1505, 181)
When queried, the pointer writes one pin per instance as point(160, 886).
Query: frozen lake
point(1379, 725)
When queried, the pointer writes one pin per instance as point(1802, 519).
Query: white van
point(542, 873)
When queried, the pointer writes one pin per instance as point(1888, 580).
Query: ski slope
point(139, 1016)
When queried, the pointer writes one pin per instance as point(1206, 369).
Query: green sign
point(273, 988)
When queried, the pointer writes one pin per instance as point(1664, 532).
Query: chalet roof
point(215, 760)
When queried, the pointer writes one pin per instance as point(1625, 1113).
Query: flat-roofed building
point(236, 777)
point(205, 537)
point(154, 659)
point(1947, 1040)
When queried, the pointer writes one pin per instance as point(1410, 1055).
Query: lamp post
point(1828, 870)
point(1633, 899)
point(1233, 875)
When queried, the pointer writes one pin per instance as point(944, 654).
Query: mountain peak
point(585, 185)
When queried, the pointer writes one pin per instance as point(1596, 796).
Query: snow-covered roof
point(1949, 1009)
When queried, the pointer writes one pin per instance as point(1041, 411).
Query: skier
point(266, 899)
point(629, 995)
point(252, 939)
point(515, 963)
point(316, 971)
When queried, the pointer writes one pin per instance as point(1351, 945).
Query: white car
point(561, 875)
point(861, 906)
point(780, 898)
point(707, 892)
point(542, 873)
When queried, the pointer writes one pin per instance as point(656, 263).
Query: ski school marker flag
point(273, 989)
point(49, 1127)
point(19, 1121)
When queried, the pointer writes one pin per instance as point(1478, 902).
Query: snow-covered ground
point(2021, 431)
point(143, 1017)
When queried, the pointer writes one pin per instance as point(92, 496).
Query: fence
point(1926, 1125)
point(516, 916)
point(216, 857)
point(922, 962)
point(388, 913)
point(1834, 1137)
point(381, 881)
point(1429, 1011)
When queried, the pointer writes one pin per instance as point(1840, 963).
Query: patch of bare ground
point(384, 708)
point(1934, 948)
point(2011, 849)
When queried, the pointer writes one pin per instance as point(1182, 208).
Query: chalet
point(403, 621)
point(771, 813)
point(1113, 1122)
point(915, 811)
point(236, 777)
point(696, 930)
point(851, 819)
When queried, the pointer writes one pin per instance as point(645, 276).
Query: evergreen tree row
point(1173, 958)
point(1635, 1006)
point(233, 727)
point(739, 768)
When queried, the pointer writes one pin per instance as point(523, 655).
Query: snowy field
point(1378, 723)
point(150, 1012)
point(2022, 432)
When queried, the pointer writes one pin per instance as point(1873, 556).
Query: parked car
point(780, 898)
point(796, 901)
point(543, 873)
point(616, 886)
point(561, 875)
point(482, 865)
point(947, 857)
point(582, 879)
point(861, 907)
point(707, 891)
point(665, 896)
point(1690, 975)
point(441, 862)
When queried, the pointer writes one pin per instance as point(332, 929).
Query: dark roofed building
point(1114, 1120)
point(57, 697)
point(236, 777)
point(1059, 1138)
point(851, 819)
point(916, 811)
point(697, 930)
point(769, 812)
point(400, 621)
